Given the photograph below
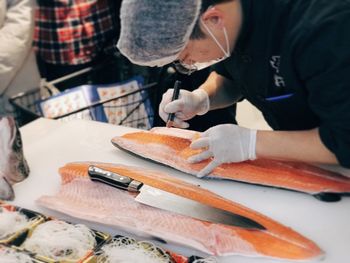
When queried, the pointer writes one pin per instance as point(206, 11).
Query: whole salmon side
point(79, 197)
point(171, 147)
point(13, 166)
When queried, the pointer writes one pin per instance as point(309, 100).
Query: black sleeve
point(323, 64)
point(225, 69)
point(221, 69)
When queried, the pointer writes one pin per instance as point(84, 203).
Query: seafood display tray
point(16, 240)
point(34, 217)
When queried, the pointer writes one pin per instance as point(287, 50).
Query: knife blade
point(158, 198)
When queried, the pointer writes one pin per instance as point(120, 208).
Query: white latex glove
point(226, 143)
point(186, 107)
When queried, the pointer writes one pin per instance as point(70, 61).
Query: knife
point(158, 198)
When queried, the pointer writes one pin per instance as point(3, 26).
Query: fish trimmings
point(11, 222)
point(59, 240)
point(11, 256)
point(125, 250)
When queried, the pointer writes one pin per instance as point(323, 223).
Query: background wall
point(250, 117)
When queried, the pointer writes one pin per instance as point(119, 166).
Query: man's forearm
point(221, 91)
point(294, 146)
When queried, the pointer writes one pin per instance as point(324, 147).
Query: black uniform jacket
point(292, 61)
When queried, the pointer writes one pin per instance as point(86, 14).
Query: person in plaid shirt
point(72, 34)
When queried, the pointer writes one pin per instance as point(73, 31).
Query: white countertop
point(50, 144)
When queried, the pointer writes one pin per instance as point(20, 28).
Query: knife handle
point(114, 179)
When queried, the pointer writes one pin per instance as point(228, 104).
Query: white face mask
point(190, 68)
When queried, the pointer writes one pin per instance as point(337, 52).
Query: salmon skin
point(79, 197)
point(170, 146)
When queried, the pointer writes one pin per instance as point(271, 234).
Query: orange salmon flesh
point(173, 150)
point(79, 197)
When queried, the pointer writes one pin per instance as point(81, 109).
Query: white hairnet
point(154, 32)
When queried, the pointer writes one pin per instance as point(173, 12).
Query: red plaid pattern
point(72, 32)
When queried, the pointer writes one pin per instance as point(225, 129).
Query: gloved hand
point(186, 107)
point(226, 143)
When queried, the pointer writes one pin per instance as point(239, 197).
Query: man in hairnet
point(291, 59)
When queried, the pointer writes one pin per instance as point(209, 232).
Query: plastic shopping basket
point(132, 108)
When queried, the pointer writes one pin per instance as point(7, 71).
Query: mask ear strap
point(226, 52)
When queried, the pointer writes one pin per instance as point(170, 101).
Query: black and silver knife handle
point(114, 179)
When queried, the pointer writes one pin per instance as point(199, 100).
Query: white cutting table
point(50, 144)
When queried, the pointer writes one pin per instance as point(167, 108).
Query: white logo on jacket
point(275, 64)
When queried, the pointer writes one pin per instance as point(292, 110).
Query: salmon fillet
point(82, 198)
point(171, 147)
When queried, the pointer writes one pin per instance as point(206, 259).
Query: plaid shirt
point(72, 32)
